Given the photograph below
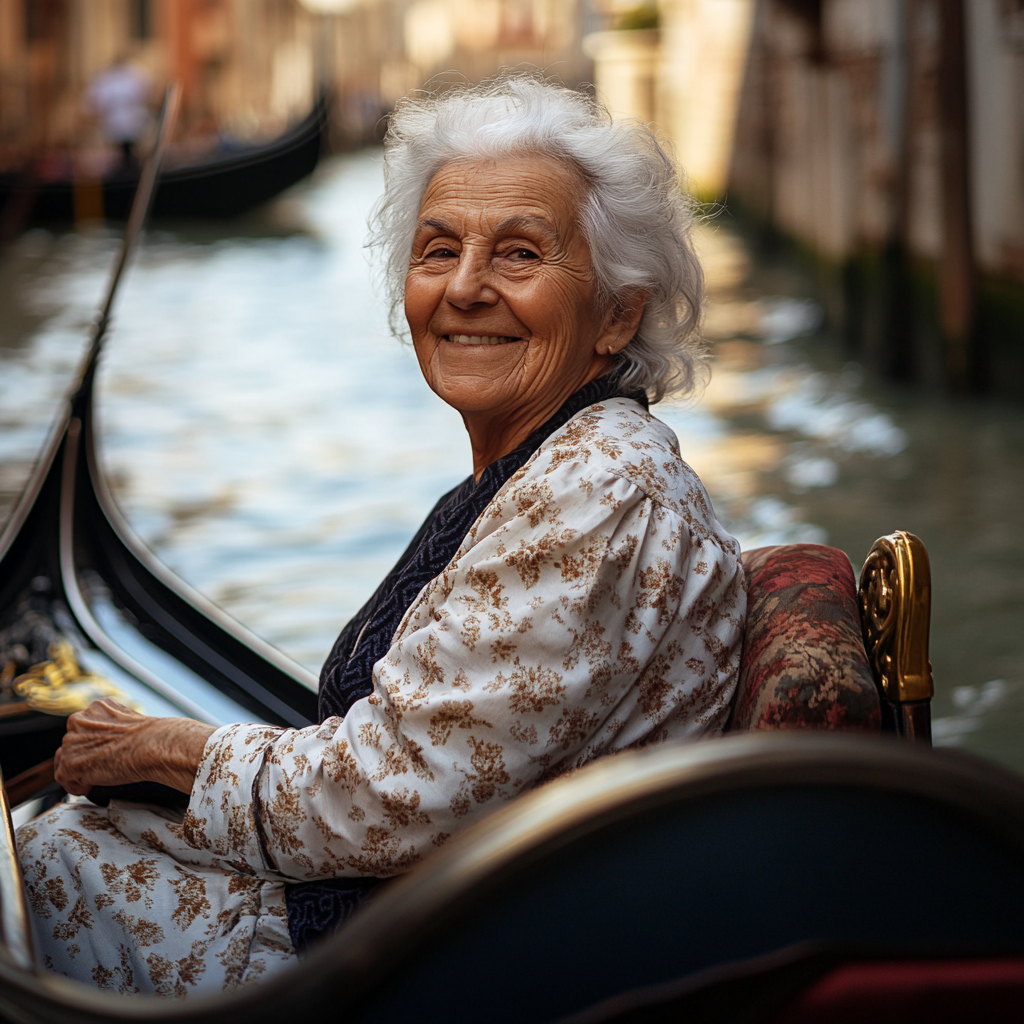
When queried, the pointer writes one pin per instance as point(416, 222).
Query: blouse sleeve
point(577, 618)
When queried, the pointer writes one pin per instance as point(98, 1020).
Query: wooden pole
point(958, 275)
point(897, 359)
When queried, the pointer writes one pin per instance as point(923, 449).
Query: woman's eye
point(522, 254)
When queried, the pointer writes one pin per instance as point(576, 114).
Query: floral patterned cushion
point(803, 664)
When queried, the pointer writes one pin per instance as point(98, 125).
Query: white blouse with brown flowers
point(595, 605)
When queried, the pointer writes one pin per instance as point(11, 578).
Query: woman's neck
point(493, 434)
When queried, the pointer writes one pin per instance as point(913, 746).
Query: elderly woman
point(575, 596)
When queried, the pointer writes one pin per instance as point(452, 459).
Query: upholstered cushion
point(803, 664)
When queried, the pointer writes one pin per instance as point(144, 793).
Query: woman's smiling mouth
point(479, 339)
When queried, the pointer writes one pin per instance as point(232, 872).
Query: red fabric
point(803, 663)
point(937, 992)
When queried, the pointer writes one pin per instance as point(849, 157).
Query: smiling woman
point(500, 298)
point(572, 598)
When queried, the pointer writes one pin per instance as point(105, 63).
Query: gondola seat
point(819, 652)
point(803, 665)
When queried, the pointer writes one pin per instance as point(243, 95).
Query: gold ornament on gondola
point(895, 610)
point(61, 686)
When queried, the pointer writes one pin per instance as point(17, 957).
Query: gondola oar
point(140, 210)
point(81, 403)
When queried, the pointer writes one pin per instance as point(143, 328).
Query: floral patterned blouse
point(596, 605)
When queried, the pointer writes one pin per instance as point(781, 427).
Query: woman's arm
point(579, 620)
point(108, 744)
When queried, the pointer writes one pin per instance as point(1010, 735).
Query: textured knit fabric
point(594, 605)
point(803, 665)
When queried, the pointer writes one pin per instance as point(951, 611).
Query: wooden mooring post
point(958, 278)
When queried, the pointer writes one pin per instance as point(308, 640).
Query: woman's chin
point(473, 397)
point(477, 377)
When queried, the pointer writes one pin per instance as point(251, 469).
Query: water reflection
point(277, 448)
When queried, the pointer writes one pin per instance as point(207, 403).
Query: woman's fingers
point(108, 744)
point(100, 747)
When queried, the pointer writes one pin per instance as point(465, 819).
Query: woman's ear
point(622, 321)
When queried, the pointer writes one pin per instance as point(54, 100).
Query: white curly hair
point(635, 215)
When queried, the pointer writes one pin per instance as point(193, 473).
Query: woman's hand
point(108, 744)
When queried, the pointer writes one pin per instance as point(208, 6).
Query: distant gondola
point(221, 185)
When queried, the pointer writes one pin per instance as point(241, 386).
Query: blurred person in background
point(573, 597)
point(119, 97)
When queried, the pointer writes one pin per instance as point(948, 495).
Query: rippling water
point(276, 447)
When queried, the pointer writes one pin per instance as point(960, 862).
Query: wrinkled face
point(500, 290)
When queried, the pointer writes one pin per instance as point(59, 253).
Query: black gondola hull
point(66, 544)
point(221, 187)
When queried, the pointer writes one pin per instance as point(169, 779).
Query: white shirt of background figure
point(119, 97)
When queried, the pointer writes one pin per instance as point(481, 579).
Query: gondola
point(223, 184)
point(716, 881)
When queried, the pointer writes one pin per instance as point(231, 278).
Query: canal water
point(272, 443)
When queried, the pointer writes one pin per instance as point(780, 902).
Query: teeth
point(475, 339)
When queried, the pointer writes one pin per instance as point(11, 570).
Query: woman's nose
point(470, 283)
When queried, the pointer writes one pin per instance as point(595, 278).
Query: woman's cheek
point(422, 295)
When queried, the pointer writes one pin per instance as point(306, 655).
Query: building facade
point(249, 67)
point(883, 137)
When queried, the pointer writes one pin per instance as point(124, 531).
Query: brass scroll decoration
point(895, 611)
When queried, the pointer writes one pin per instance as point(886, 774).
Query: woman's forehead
point(507, 193)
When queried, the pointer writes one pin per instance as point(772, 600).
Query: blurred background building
point(883, 137)
point(248, 67)
point(888, 137)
